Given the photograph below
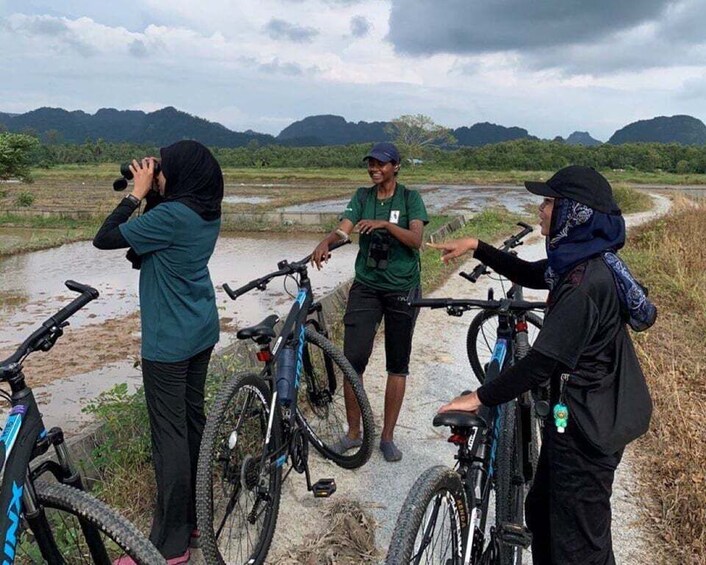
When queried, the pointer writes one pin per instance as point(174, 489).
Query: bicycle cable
point(286, 278)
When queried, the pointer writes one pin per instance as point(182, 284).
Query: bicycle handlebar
point(510, 243)
point(46, 335)
point(285, 268)
point(457, 306)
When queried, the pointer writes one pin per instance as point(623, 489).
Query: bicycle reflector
point(521, 326)
point(264, 355)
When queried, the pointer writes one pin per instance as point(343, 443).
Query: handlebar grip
point(82, 288)
point(332, 247)
point(88, 293)
point(243, 289)
point(476, 273)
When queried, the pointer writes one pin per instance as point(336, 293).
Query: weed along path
point(438, 371)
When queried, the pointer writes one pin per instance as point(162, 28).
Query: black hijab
point(194, 178)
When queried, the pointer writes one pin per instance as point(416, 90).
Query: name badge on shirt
point(394, 216)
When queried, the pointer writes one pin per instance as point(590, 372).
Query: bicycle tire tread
point(204, 500)
point(102, 516)
point(409, 520)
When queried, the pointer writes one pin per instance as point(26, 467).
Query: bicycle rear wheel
point(321, 403)
point(430, 526)
point(482, 335)
point(237, 491)
point(509, 482)
point(82, 530)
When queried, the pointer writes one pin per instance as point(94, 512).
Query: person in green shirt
point(390, 219)
point(172, 243)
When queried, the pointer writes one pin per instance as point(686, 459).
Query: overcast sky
point(551, 66)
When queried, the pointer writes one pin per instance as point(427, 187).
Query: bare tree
point(412, 133)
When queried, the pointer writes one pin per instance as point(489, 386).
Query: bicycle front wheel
point(238, 483)
point(78, 529)
point(430, 526)
point(321, 402)
point(482, 335)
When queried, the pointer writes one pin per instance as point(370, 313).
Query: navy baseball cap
point(384, 152)
point(582, 184)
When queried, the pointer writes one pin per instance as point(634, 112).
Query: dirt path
point(439, 370)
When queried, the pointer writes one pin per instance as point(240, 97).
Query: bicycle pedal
point(514, 534)
point(323, 488)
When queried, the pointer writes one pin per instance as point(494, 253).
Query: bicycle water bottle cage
point(261, 333)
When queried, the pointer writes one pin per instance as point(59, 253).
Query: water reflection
point(38, 278)
point(446, 199)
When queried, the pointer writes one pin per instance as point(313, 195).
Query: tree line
point(20, 152)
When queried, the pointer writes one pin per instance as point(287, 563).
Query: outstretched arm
point(529, 274)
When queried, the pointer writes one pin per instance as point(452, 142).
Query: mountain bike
point(259, 422)
point(445, 517)
point(480, 338)
point(44, 521)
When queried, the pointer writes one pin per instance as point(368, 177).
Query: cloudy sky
point(550, 66)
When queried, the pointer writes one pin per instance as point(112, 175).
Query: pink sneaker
point(124, 560)
point(180, 560)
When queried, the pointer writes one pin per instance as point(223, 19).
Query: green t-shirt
point(402, 272)
point(177, 299)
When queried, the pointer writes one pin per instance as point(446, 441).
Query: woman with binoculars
point(390, 219)
point(172, 243)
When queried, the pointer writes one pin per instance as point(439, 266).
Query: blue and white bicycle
point(259, 423)
point(45, 515)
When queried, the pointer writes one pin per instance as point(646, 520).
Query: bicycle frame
point(292, 334)
point(24, 438)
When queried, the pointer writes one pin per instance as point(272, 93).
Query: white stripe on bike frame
point(471, 537)
point(273, 407)
point(10, 433)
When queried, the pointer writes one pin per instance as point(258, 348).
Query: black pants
point(568, 506)
point(175, 404)
point(365, 310)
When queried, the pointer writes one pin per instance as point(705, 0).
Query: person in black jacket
point(586, 352)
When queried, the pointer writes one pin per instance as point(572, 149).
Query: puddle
point(246, 199)
point(62, 401)
point(35, 281)
point(446, 199)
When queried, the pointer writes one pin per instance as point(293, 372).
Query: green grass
point(631, 200)
point(358, 176)
point(487, 225)
point(46, 232)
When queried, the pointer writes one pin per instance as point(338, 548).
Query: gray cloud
point(360, 26)
point(573, 36)
point(280, 29)
point(277, 67)
point(422, 27)
point(54, 30)
point(137, 49)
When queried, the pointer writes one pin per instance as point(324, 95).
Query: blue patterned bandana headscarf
point(579, 233)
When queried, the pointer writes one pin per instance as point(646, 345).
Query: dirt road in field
point(439, 370)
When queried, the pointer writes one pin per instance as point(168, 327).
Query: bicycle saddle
point(262, 332)
point(458, 419)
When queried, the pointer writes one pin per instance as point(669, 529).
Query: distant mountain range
point(155, 128)
point(55, 125)
point(675, 129)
